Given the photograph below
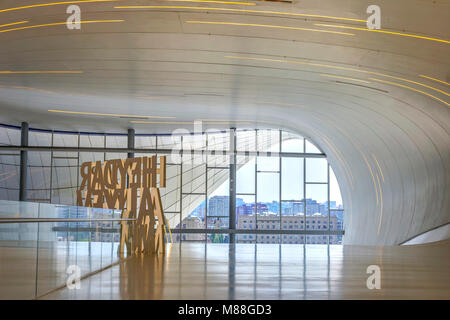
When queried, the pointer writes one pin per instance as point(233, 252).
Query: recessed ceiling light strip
point(412, 89)
point(12, 24)
point(57, 24)
point(433, 79)
point(268, 26)
point(42, 72)
point(211, 1)
point(54, 4)
point(109, 114)
point(382, 31)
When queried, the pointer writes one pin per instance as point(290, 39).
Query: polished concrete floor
point(266, 271)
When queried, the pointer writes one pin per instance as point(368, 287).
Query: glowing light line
point(382, 31)
point(430, 78)
point(57, 24)
point(12, 24)
point(108, 114)
point(268, 26)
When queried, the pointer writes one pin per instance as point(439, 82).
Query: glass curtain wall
point(283, 181)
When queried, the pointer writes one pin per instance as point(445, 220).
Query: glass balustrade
point(41, 245)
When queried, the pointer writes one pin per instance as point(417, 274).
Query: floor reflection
point(149, 284)
point(270, 271)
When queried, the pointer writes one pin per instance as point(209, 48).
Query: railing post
point(130, 145)
point(233, 160)
point(131, 134)
point(23, 162)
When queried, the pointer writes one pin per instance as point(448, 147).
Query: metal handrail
point(262, 231)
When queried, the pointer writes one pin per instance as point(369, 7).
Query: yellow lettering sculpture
point(129, 185)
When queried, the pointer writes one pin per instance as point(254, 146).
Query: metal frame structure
point(233, 152)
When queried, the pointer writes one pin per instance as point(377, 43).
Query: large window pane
point(268, 140)
point(116, 155)
point(218, 141)
point(316, 170)
point(194, 178)
point(245, 212)
point(9, 136)
point(170, 195)
point(311, 148)
point(38, 182)
point(268, 163)
point(169, 142)
point(9, 182)
point(245, 175)
point(292, 178)
point(292, 207)
point(291, 142)
point(195, 141)
point(64, 181)
point(218, 223)
point(10, 158)
point(218, 208)
point(268, 238)
point(192, 237)
point(316, 198)
point(87, 156)
point(145, 142)
point(65, 140)
point(245, 140)
point(268, 194)
point(292, 217)
point(245, 238)
point(218, 182)
point(218, 238)
point(193, 212)
point(337, 220)
point(116, 141)
point(92, 140)
point(9, 164)
point(218, 160)
point(39, 138)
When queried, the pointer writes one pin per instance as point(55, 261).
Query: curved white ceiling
point(376, 102)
